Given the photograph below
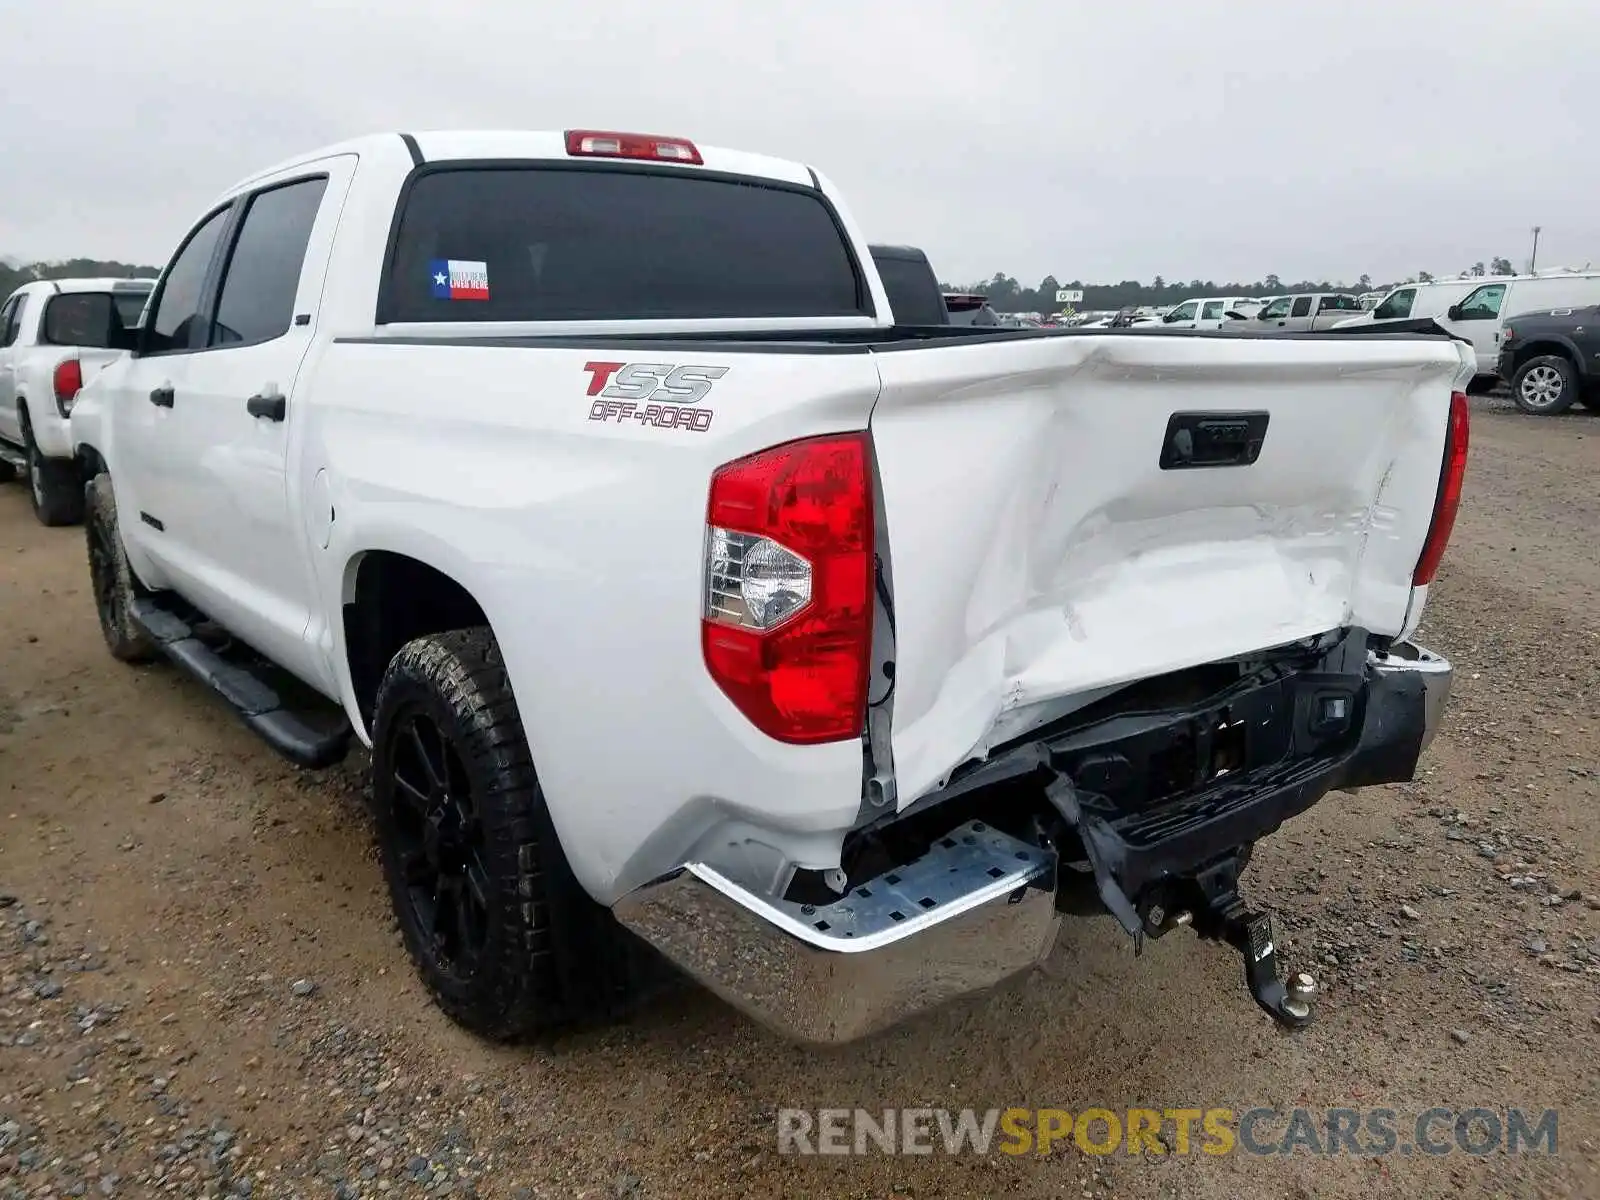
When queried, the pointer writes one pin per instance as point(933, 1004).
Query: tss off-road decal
point(658, 394)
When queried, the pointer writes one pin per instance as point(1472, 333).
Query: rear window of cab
point(539, 242)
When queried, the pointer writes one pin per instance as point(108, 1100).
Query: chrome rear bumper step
point(976, 909)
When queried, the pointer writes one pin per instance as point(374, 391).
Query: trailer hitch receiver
point(1208, 901)
point(1226, 918)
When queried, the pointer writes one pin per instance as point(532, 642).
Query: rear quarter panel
point(579, 529)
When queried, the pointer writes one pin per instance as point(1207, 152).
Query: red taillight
point(68, 382)
point(598, 143)
point(787, 623)
point(1449, 498)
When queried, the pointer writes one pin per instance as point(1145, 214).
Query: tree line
point(13, 277)
point(1008, 295)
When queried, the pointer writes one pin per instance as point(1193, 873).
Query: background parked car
point(1208, 312)
point(56, 335)
point(1552, 359)
point(911, 285)
point(1307, 311)
point(1413, 301)
point(967, 308)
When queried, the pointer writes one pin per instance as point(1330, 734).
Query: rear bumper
point(1400, 697)
point(980, 906)
point(974, 911)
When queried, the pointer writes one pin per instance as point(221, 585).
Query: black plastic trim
point(874, 339)
point(412, 149)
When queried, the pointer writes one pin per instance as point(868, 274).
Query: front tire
point(500, 930)
point(1545, 386)
point(115, 587)
point(54, 486)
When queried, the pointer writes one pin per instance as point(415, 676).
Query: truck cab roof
point(463, 145)
point(96, 284)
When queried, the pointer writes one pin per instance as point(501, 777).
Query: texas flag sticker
point(456, 279)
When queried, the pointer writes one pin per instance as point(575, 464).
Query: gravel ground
point(202, 992)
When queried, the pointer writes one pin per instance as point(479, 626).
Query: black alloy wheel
point(439, 840)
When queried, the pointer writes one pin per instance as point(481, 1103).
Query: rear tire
point(1545, 386)
point(500, 930)
point(115, 587)
point(54, 485)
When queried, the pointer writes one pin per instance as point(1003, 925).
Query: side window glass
point(5, 321)
point(1483, 304)
point(1212, 311)
point(1395, 306)
point(1278, 308)
point(14, 325)
point(263, 273)
point(1302, 306)
point(178, 306)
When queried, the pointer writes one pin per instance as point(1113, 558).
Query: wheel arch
point(388, 598)
point(90, 461)
point(1539, 347)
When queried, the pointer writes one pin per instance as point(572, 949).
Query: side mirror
point(1454, 312)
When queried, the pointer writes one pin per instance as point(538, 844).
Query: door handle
point(273, 408)
point(162, 396)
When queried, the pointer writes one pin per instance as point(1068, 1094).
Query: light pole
point(1534, 257)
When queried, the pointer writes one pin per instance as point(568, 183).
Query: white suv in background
point(55, 335)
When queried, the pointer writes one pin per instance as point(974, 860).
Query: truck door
point(1211, 314)
point(1183, 316)
point(1276, 314)
point(238, 419)
point(1300, 313)
point(10, 326)
point(1478, 318)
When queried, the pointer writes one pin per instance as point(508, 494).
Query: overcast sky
point(1101, 140)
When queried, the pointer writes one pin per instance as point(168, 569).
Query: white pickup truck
point(688, 602)
point(54, 335)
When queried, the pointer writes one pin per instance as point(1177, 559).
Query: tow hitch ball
point(1224, 917)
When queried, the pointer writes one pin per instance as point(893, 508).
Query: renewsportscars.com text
point(1364, 1132)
